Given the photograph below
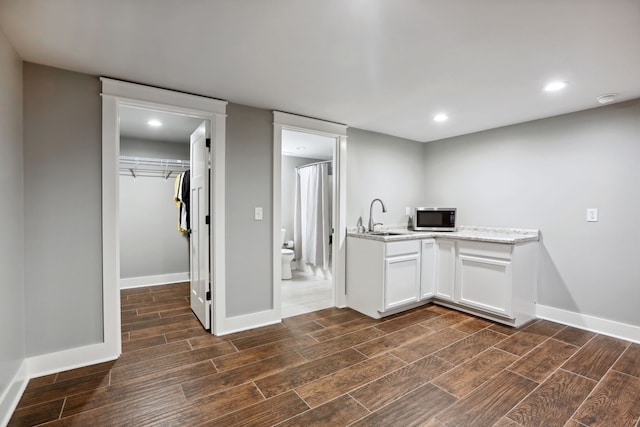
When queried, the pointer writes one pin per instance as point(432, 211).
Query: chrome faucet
point(371, 223)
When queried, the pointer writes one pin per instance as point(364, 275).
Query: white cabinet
point(497, 280)
point(382, 278)
point(445, 269)
point(428, 258)
point(401, 279)
point(484, 277)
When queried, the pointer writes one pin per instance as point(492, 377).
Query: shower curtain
point(312, 220)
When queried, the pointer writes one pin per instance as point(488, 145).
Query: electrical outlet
point(407, 211)
point(592, 215)
point(258, 214)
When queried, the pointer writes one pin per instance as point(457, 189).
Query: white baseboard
point(12, 394)
point(248, 321)
point(591, 323)
point(161, 279)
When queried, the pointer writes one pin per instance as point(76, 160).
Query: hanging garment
point(312, 220)
point(176, 198)
point(185, 194)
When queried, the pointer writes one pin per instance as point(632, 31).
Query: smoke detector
point(607, 98)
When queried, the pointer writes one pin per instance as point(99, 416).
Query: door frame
point(338, 132)
point(116, 94)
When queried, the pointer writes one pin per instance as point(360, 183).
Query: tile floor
point(304, 293)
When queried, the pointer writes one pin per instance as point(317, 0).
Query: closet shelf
point(152, 167)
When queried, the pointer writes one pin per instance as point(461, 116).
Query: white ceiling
point(310, 146)
point(381, 65)
point(175, 128)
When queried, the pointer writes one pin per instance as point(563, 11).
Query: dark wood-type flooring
point(430, 366)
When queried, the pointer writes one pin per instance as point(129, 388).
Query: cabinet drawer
point(485, 249)
point(402, 248)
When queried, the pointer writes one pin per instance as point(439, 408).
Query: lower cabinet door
point(485, 283)
point(402, 280)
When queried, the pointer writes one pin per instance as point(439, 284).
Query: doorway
point(307, 222)
point(117, 95)
point(290, 130)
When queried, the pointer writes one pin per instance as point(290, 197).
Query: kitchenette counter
point(474, 233)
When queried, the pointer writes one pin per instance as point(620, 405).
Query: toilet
point(287, 257)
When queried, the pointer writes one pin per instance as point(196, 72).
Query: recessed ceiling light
point(555, 86)
point(607, 98)
point(154, 123)
point(440, 117)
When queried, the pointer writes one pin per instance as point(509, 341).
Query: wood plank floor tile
point(489, 403)
point(163, 329)
point(84, 371)
point(428, 344)
point(521, 342)
point(143, 412)
point(465, 378)
point(148, 353)
point(429, 366)
point(413, 409)
point(266, 413)
point(614, 402)
point(538, 364)
point(40, 381)
point(215, 406)
point(340, 412)
point(211, 384)
point(307, 372)
point(595, 358)
point(396, 384)
point(574, 336)
point(143, 343)
point(340, 318)
point(45, 393)
point(332, 386)
point(326, 348)
point(393, 340)
point(343, 328)
point(244, 357)
point(142, 368)
point(446, 320)
point(553, 403)
point(629, 363)
point(471, 326)
point(407, 320)
point(470, 346)
point(36, 414)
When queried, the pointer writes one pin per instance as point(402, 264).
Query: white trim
point(249, 321)
point(64, 360)
point(116, 94)
point(12, 394)
point(160, 279)
point(339, 133)
point(590, 323)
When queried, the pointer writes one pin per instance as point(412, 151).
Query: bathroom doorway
point(308, 214)
point(307, 222)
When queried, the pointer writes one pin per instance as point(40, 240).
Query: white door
point(199, 237)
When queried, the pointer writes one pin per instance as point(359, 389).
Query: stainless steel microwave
point(434, 219)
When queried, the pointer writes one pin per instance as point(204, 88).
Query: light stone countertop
point(476, 233)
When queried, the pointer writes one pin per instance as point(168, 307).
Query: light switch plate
point(592, 215)
point(258, 214)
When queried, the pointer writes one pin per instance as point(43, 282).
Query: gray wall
point(62, 204)
point(385, 167)
point(155, 149)
point(12, 304)
point(288, 195)
point(249, 178)
point(150, 243)
point(545, 174)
